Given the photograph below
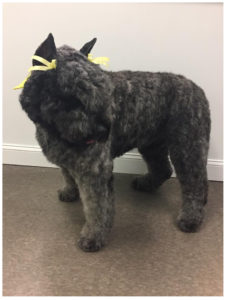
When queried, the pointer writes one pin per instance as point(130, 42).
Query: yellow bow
point(48, 66)
point(99, 60)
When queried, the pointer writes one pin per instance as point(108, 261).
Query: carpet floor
point(146, 255)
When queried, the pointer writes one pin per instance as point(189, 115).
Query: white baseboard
point(130, 162)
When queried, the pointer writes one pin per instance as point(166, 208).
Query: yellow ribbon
point(47, 66)
point(99, 60)
point(52, 65)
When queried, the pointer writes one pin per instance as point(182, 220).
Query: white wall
point(183, 38)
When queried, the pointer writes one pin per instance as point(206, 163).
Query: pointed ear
point(46, 50)
point(86, 49)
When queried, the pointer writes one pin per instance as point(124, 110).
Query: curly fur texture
point(85, 117)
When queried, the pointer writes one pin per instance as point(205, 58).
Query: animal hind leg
point(189, 160)
point(159, 168)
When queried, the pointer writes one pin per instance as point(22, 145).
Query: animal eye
point(71, 103)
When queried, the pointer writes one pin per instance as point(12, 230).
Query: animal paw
point(89, 244)
point(190, 222)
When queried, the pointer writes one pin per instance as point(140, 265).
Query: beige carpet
point(146, 255)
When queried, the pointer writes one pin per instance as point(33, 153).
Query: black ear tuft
point(46, 50)
point(86, 49)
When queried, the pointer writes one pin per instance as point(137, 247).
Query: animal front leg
point(70, 192)
point(96, 190)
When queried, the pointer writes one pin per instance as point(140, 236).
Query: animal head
point(72, 99)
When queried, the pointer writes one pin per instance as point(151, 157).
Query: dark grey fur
point(85, 117)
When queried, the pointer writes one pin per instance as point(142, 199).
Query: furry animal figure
point(86, 116)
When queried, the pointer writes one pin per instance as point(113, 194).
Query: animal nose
point(102, 132)
point(101, 129)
